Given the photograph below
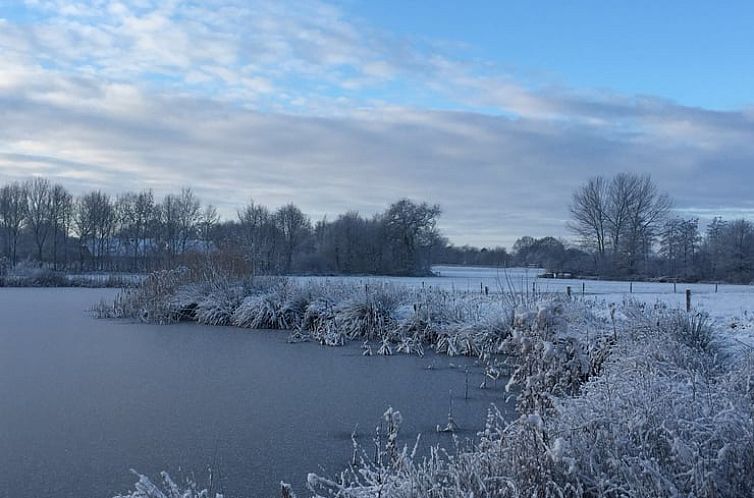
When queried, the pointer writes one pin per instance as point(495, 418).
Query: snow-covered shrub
point(319, 316)
point(163, 297)
point(666, 417)
point(260, 312)
point(369, 312)
point(168, 488)
point(435, 311)
point(32, 275)
point(511, 460)
point(548, 363)
point(218, 306)
point(662, 416)
point(279, 303)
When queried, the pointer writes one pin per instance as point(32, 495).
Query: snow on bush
point(329, 312)
point(649, 408)
point(218, 306)
point(163, 297)
point(370, 313)
point(167, 488)
point(668, 416)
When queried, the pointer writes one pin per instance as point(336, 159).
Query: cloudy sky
point(496, 110)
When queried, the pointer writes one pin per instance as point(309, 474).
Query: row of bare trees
point(628, 227)
point(40, 221)
point(399, 240)
point(619, 220)
point(625, 228)
point(41, 209)
point(43, 222)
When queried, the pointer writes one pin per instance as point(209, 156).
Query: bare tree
point(589, 213)
point(208, 220)
point(39, 212)
point(145, 217)
point(258, 237)
point(13, 211)
point(94, 224)
point(738, 260)
point(623, 215)
point(189, 212)
point(125, 207)
point(61, 204)
point(294, 227)
point(648, 209)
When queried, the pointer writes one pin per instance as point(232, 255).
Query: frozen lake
point(82, 401)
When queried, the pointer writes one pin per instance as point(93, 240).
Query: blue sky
point(696, 53)
point(496, 110)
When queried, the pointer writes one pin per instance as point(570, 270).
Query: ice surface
point(85, 400)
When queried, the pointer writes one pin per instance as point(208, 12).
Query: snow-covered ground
point(730, 306)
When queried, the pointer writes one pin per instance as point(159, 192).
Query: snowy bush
point(511, 460)
point(163, 297)
point(661, 415)
point(26, 275)
point(328, 312)
point(260, 312)
point(167, 488)
point(548, 362)
point(369, 312)
point(666, 417)
point(219, 305)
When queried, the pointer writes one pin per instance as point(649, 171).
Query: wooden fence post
point(688, 300)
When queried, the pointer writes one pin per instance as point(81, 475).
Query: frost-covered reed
point(653, 410)
point(331, 312)
point(613, 401)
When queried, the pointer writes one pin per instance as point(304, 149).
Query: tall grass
point(621, 401)
point(664, 415)
point(330, 312)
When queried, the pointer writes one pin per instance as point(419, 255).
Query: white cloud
point(284, 102)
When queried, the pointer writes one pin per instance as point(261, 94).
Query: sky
point(496, 110)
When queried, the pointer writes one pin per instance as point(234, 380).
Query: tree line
point(42, 223)
point(624, 227)
point(629, 229)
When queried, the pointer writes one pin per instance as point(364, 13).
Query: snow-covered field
point(730, 306)
point(719, 300)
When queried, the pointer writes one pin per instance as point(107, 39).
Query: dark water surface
point(82, 401)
